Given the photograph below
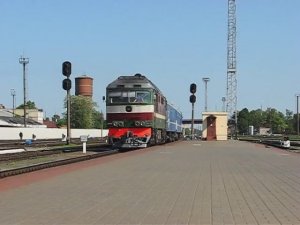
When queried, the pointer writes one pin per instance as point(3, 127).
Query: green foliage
point(257, 118)
point(61, 122)
point(291, 121)
point(243, 121)
point(55, 118)
point(83, 113)
point(271, 118)
point(98, 119)
point(276, 120)
point(29, 105)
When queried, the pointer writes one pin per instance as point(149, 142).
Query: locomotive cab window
point(119, 97)
point(142, 97)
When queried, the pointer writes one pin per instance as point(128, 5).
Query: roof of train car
point(136, 81)
point(174, 112)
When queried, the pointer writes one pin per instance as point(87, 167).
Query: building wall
point(34, 114)
point(221, 124)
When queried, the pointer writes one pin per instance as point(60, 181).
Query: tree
point(289, 121)
point(55, 118)
point(83, 113)
point(61, 122)
point(29, 105)
point(243, 121)
point(98, 119)
point(277, 121)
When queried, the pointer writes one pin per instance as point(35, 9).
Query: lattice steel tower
point(231, 103)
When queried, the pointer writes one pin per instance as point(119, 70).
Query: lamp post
point(13, 94)
point(24, 61)
point(223, 100)
point(205, 80)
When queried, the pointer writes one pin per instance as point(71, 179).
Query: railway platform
point(188, 182)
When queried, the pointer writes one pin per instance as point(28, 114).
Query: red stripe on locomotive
point(138, 132)
point(129, 116)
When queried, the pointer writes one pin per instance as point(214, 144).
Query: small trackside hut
point(214, 126)
point(137, 113)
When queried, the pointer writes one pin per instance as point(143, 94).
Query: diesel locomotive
point(138, 114)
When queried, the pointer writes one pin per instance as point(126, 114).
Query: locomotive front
point(130, 111)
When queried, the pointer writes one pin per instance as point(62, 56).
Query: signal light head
point(67, 84)
point(66, 68)
point(193, 88)
point(192, 98)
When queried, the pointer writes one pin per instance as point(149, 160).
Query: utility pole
point(13, 94)
point(231, 99)
point(297, 96)
point(24, 61)
point(102, 119)
point(205, 80)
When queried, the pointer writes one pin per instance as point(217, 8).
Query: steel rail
point(27, 169)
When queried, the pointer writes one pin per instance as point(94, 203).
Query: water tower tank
point(84, 86)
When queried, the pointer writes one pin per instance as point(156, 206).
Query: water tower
point(84, 86)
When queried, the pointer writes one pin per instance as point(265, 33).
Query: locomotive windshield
point(117, 97)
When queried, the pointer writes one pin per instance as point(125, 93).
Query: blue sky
point(172, 42)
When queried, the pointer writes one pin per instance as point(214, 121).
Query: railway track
point(294, 145)
point(48, 150)
point(18, 163)
point(28, 161)
point(11, 144)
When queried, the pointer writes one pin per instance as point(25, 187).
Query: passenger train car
point(138, 114)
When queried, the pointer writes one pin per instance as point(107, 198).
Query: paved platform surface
point(184, 183)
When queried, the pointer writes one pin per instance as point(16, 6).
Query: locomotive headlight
point(146, 123)
point(118, 123)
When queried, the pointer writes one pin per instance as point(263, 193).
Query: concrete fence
point(12, 133)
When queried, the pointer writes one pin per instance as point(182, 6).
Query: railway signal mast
point(231, 105)
point(67, 84)
point(193, 89)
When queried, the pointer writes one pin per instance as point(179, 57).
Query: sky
point(172, 42)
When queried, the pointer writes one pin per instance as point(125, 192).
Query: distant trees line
point(270, 118)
